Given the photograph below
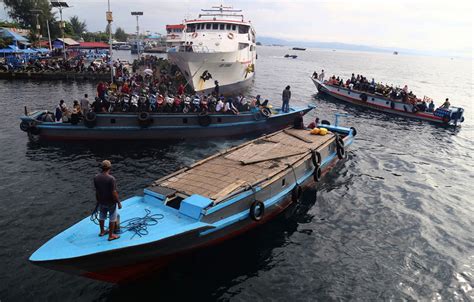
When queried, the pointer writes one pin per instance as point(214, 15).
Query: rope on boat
point(294, 173)
point(138, 225)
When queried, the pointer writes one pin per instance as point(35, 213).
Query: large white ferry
point(217, 46)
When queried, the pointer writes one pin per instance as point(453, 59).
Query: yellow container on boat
point(314, 131)
point(323, 131)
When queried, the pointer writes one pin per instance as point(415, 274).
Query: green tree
point(5, 42)
point(20, 11)
point(120, 35)
point(78, 26)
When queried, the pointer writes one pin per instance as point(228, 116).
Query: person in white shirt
point(230, 108)
point(220, 105)
point(321, 75)
point(85, 105)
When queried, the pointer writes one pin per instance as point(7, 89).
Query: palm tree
point(78, 27)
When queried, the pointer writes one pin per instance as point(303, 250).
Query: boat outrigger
point(211, 201)
point(145, 125)
point(452, 116)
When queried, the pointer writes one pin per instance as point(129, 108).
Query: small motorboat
point(211, 201)
point(447, 117)
point(291, 56)
point(167, 126)
point(299, 48)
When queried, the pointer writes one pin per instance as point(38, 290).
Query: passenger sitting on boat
point(75, 116)
point(220, 105)
point(101, 88)
point(180, 89)
point(229, 107)
point(431, 106)
point(315, 75)
point(204, 104)
point(77, 107)
point(60, 109)
point(422, 106)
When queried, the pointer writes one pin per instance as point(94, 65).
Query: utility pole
point(138, 32)
point(109, 18)
point(37, 12)
point(60, 5)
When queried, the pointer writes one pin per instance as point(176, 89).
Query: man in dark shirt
point(107, 199)
point(286, 96)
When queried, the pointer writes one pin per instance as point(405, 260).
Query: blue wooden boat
point(211, 201)
point(144, 125)
point(453, 116)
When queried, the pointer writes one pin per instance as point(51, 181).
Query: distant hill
point(328, 45)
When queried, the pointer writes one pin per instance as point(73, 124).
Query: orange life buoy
point(230, 36)
point(194, 35)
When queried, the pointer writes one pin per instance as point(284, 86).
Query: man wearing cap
point(107, 199)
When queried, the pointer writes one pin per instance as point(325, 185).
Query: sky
point(426, 25)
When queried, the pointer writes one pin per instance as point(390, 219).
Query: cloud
point(410, 24)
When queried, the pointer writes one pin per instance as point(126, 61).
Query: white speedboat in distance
point(217, 46)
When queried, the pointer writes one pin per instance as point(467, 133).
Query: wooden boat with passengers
point(145, 125)
point(213, 200)
point(446, 117)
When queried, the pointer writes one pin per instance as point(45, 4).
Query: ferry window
point(185, 120)
point(222, 27)
point(215, 26)
point(191, 28)
point(243, 46)
point(243, 29)
point(283, 182)
point(228, 26)
point(112, 121)
point(208, 25)
point(199, 26)
point(233, 27)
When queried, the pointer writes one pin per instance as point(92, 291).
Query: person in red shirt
point(101, 90)
point(180, 89)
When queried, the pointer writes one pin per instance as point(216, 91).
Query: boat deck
point(236, 168)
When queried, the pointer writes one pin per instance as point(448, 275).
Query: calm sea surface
point(394, 222)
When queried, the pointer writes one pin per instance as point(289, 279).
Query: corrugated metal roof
point(5, 33)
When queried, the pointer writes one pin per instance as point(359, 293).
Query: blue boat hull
point(164, 126)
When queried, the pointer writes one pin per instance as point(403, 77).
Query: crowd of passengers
point(361, 83)
point(146, 93)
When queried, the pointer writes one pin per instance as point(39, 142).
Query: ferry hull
point(228, 68)
point(383, 104)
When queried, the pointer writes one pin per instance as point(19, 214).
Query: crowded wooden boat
point(359, 91)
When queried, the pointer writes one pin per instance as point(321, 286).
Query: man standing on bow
point(286, 96)
point(107, 199)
